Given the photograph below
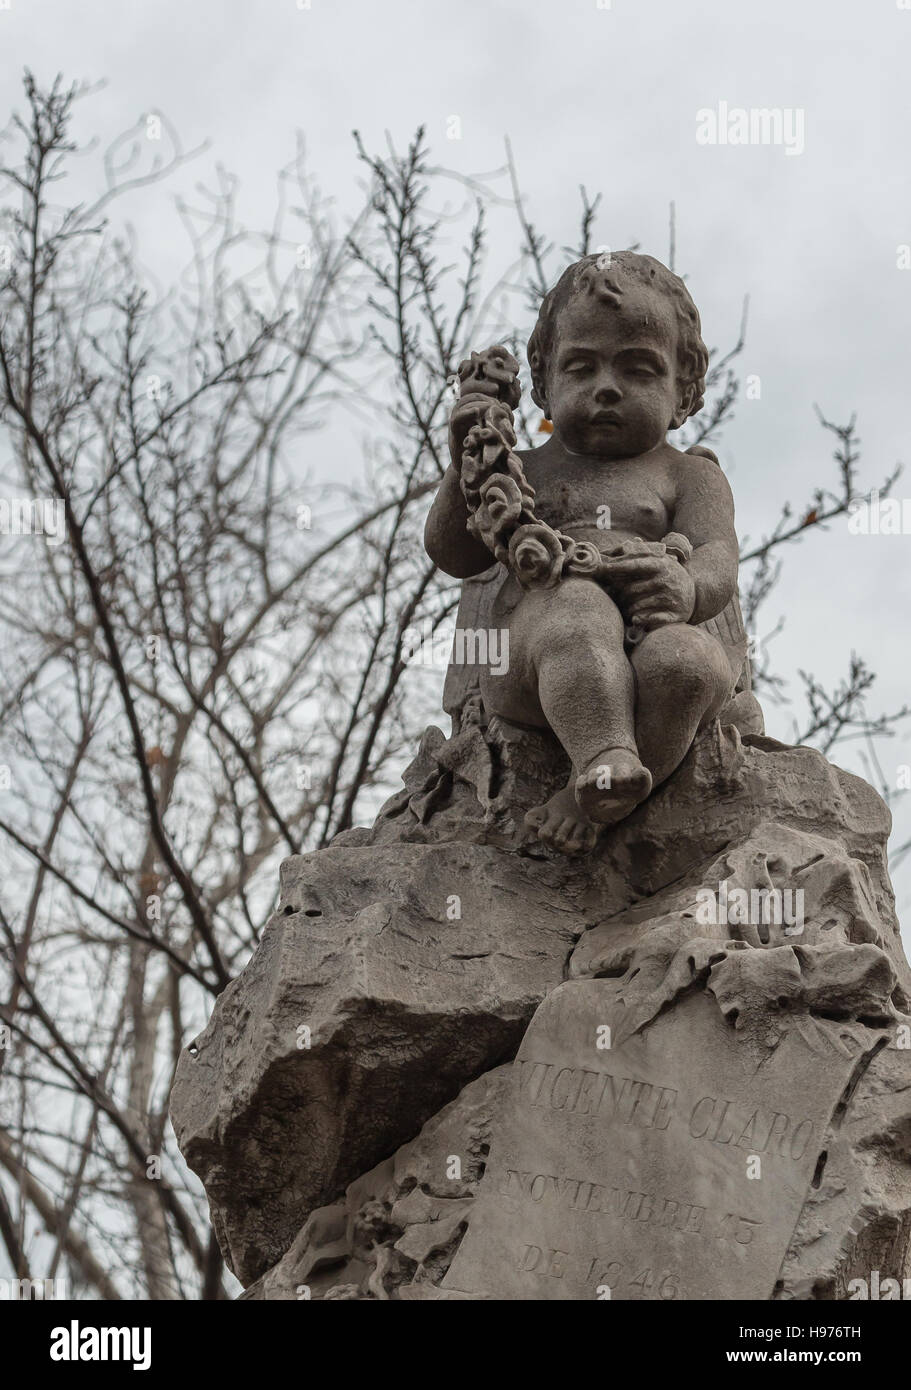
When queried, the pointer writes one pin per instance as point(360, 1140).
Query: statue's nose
point(607, 390)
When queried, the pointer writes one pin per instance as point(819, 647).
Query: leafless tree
point(208, 671)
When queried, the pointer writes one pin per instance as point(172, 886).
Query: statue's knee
point(661, 652)
point(687, 660)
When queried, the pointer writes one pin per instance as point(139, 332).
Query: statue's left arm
point(704, 513)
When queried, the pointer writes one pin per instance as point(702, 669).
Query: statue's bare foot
point(612, 785)
point(560, 823)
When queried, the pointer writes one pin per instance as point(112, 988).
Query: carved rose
point(583, 558)
point(484, 453)
point(473, 379)
point(536, 556)
point(501, 497)
point(493, 451)
point(500, 418)
point(493, 373)
point(678, 545)
point(498, 510)
point(515, 470)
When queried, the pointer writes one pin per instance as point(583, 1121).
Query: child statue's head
point(617, 357)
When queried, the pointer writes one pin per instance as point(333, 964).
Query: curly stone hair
point(604, 275)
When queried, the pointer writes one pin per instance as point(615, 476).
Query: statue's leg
point(567, 660)
point(683, 679)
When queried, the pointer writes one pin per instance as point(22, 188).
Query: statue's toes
point(579, 838)
point(586, 837)
point(566, 836)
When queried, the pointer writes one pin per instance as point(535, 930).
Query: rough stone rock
point(403, 1004)
point(663, 1133)
point(400, 1227)
point(397, 1226)
point(406, 1001)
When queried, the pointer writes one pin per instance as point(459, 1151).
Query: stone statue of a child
point(617, 360)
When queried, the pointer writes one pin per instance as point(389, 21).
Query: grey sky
point(609, 98)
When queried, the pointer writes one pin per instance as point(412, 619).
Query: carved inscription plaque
point(672, 1164)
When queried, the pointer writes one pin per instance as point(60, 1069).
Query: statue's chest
point(605, 501)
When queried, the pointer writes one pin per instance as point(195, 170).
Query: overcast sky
point(608, 97)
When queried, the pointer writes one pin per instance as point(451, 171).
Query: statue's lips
point(607, 417)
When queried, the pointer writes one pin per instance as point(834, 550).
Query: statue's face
point(612, 388)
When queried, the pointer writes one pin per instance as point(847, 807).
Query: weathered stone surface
point(856, 1222)
point(406, 1005)
point(396, 1229)
point(749, 810)
point(671, 1156)
point(403, 1003)
point(839, 904)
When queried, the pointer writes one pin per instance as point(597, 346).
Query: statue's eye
point(640, 369)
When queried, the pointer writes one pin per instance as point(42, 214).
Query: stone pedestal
point(666, 1161)
point(526, 1076)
